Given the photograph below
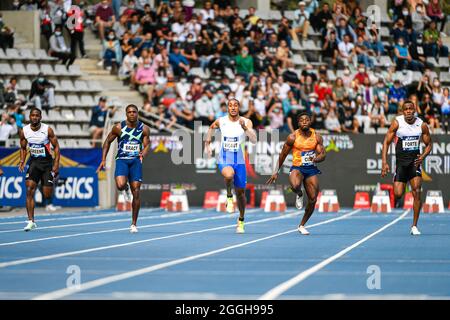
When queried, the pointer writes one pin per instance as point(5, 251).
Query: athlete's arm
point(387, 142)
point(115, 133)
point(287, 147)
point(426, 138)
point(1, 171)
point(56, 150)
point(212, 127)
point(247, 125)
point(320, 149)
point(145, 142)
point(23, 150)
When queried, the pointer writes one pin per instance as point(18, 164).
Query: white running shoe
point(303, 230)
point(127, 194)
point(230, 205)
point(30, 226)
point(51, 208)
point(299, 202)
point(415, 231)
point(133, 229)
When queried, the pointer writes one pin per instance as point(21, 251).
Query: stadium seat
point(32, 69)
point(2, 54)
point(67, 86)
point(84, 144)
point(24, 84)
point(5, 69)
point(40, 54)
point(87, 101)
point(13, 54)
point(67, 115)
point(61, 70)
point(47, 70)
point(26, 54)
point(81, 115)
point(60, 100)
point(80, 86)
point(19, 69)
point(75, 70)
point(94, 86)
point(73, 100)
point(53, 115)
point(62, 129)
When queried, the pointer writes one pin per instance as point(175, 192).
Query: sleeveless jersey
point(304, 149)
point(232, 143)
point(130, 141)
point(38, 142)
point(408, 140)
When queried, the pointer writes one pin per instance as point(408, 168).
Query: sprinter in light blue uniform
point(231, 161)
point(133, 145)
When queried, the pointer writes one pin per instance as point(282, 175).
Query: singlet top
point(232, 142)
point(130, 141)
point(304, 149)
point(408, 140)
point(38, 142)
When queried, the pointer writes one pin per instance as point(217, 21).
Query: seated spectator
point(330, 50)
point(436, 14)
point(344, 29)
point(166, 119)
point(349, 122)
point(204, 111)
point(419, 18)
point(104, 18)
point(322, 17)
point(42, 93)
point(112, 53)
point(6, 35)
point(347, 54)
point(332, 122)
point(59, 48)
point(376, 114)
point(361, 112)
point(217, 65)
point(445, 110)
point(283, 54)
point(364, 52)
point(396, 96)
point(301, 21)
point(244, 64)
point(182, 109)
point(178, 62)
point(276, 117)
point(400, 31)
point(8, 128)
point(146, 79)
point(419, 58)
point(402, 57)
point(98, 120)
point(129, 65)
point(434, 46)
point(10, 91)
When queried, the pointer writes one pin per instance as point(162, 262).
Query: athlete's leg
point(47, 194)
point(136, 204)
point(399, 190)
point(416, 185)
point(228, 175)
point(241, 202)
point(121, 183)
point(312, 191)
point(296, 179)
point(31, 189)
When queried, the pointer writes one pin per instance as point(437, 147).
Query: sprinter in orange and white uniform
point(307, 150)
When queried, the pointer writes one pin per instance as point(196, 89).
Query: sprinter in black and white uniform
point(41, 165)
point(409, 131)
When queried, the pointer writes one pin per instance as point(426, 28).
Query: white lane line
point(119, 229)
point(285, 286)
point(103, 221)
point(58, 294)
point(63, 215)
point(72, 253)
point(113, 214)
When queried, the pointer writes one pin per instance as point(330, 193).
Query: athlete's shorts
point(40, 171)
point(130, 168)
point(240, 174)
point(306, 171)
point(406, 173)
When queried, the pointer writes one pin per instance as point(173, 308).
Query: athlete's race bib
point(307, 158)
point(37, 150)
point(231, 144)
point(411, 143)
point(132, 148)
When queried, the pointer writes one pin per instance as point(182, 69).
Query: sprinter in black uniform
point(41, 166)
point(409, 131)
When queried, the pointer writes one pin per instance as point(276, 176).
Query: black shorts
point(404, 173)
point(40, 171)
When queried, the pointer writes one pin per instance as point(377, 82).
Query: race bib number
point(231, 144)
point(411, 144)
point(132, 148)
point(307, 158)
point(37, 150)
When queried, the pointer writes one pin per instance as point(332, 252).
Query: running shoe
point(415, 231)
point(30, 226)
point(51, 208)
point(240, 227)
point(133, 229)
point(303, 230)
point(299, 201)
point(230, 204)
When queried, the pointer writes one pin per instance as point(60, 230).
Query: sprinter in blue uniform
point(133, 145)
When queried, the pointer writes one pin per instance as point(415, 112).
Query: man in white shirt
point(7, 128)
point(347, 54)
point(204, 110)
point(301, 21)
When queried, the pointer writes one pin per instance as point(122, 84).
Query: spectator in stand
point(344, 29)
point(112, 53)
point(436, 14)
point(129, 66)
point(396, 96)
point(330, 50)
point(301, 21)
point(178, 62)
point(402, 57)
point(347, 54)
point(276, 117)
point(204, 111)
point(434, 46)
point(146, 78)
point(76, 30)
point(417, 52)
point(182, 109)
point(322, 17)
point(42, 93)
point(424, 87)
point(59, 48)
point(349, 122)
point(166, 119)
point(400, 31)
point(445, 110)
point(376, 114)
point(8, 128)
point(332, 123)
point(419, 18)
point(104, 18)
point(244, 64)
point(98, 120)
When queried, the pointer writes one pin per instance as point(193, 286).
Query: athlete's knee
point(121, 185)
point(416, 193)
point(30, 191)
point(313, 199)
point(228, 175)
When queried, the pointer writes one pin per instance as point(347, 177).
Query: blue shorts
point(130, 168)
point(306, 171)
point(240, 174)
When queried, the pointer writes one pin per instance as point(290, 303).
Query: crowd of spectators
point(189, 63)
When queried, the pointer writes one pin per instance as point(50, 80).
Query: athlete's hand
point(208, 150)
point(242, 123)
point(385, 170)
point(21, 166)
point(101, 166)
point(418, 161)
point(55, 171)
point(273, 178)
